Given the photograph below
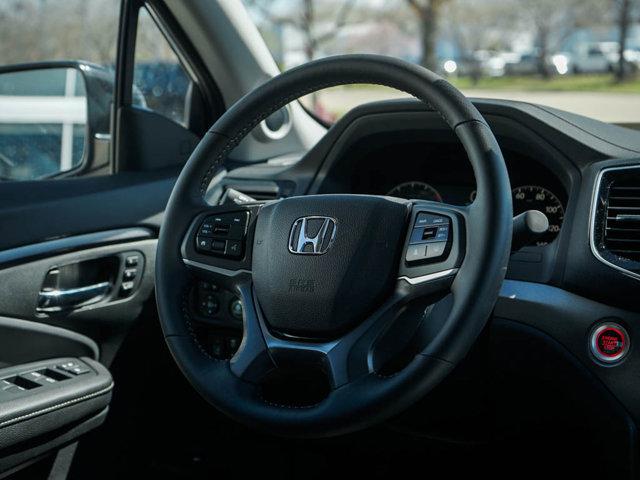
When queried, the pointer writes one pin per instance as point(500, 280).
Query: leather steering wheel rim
point(370, 398)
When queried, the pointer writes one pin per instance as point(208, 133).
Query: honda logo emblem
point(312, 235)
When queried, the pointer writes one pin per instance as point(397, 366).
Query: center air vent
point(615, 234)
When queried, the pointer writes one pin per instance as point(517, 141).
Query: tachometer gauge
point(415, 190)
point(533, 197)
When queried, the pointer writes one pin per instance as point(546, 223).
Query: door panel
point(33, 212)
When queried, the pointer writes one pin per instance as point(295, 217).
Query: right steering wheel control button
point(424, 219)
point(609, 343)
point(436, 250)
point(416, 253)
point(430, 228)
point(430, 236)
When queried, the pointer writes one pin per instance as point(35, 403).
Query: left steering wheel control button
point(234, 248)
point(218, 246)
point(609, 343)
point(203, 244)
point(223, 234)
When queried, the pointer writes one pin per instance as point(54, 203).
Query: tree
point(624, 12)
point(428, 14)
point(35, 30)
point(316, 21)
point(552, 21)
point(480, 24)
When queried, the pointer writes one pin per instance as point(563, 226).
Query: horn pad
point(322, 263)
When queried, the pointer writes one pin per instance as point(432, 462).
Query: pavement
point(608, 107)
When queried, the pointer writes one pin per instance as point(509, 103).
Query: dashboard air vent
point(622, 231)
point(615, 230)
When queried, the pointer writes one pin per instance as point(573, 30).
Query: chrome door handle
point(55, 299)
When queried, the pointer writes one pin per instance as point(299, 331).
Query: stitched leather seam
point(56, 407)
point(294, 407)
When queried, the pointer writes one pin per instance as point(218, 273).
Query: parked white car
point(593, 57)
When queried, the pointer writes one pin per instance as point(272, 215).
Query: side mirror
point(54, 119)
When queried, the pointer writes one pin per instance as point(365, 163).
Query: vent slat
point(625, 240)
point(619, 229)
point(622, 230)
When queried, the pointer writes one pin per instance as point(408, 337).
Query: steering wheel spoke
point(342, 360)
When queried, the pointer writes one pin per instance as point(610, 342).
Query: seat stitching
point(56, 406)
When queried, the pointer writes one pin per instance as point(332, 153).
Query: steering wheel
point(328, 282)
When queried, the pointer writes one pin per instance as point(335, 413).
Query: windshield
point(582, 56)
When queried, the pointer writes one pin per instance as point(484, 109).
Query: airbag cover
point(322, 295)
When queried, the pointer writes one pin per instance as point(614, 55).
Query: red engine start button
point(609, 342)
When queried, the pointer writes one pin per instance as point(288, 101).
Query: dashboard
point(403, 149)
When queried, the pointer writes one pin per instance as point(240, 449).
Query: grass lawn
point(569, 83)
point(574, 83)
point(596, 96)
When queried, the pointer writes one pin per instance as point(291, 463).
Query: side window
point(160, 82)
point(56, 72)
point(43, 116)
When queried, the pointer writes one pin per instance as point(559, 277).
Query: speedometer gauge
point(533, 197)
point(415, 190)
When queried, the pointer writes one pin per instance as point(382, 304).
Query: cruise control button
point(417, 236)
point(442, 235)
point(424, 219)
point(415, 253)
point(435, 250)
